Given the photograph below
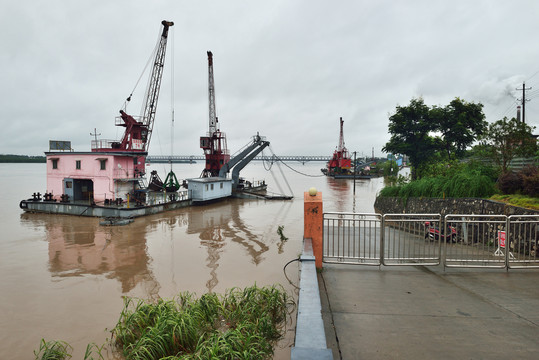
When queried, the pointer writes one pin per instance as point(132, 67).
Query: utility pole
point(95, 134)
point(355, 170)
point(524, 88)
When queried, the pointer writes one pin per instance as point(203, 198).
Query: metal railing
point(475, 244)
point(352, 238)
point(408, 241)
point(523, 241)
point(458, 240)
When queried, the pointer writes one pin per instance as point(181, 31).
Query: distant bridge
point(194, 158)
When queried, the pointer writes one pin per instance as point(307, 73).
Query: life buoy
point(23, 204)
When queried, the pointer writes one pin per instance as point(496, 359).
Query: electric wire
point(286, 276)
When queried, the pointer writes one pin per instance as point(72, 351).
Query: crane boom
point(211, 95)
point(154, 85)
point(341, 137)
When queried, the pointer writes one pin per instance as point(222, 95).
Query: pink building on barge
point(94, 176)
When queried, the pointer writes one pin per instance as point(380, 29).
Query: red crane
point(341, 162)
point(214, 143)
point(138, 131)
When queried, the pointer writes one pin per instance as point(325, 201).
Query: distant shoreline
point(22, 159)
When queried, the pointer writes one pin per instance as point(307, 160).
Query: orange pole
point(313, 218)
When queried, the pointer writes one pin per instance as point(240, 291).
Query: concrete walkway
point(426, 313)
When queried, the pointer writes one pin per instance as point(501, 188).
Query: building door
point(68, 188)
point(83, 189)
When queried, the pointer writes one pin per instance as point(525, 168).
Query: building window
point(55, 163)
point(77, 164)
point(69, 184)
point(103, 164)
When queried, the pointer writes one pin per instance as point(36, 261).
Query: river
point(64, 277)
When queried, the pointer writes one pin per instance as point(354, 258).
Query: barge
point(109, 181)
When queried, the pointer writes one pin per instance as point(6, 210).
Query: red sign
point(501, 239)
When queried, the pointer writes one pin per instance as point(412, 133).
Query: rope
point(285, 180)
point(288, 166)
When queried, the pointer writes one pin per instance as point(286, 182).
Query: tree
point(506, 139)
point(460, 124)
point(410, 129)
point(421, 132)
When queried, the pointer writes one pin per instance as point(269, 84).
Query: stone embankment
point(474, 206)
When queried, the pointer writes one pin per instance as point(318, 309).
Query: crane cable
point(152, 56)
point(172, 100)
point(285, 164)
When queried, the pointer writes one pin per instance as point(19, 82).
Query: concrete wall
point(392, 205)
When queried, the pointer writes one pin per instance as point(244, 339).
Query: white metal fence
point(489, 241)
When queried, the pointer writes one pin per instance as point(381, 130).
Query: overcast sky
point(286, 69)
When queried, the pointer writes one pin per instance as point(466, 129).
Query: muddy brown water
point(64, 277)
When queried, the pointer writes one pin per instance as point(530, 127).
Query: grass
point(241, 324)
point(53, 350)
point(518, 200)
point(457, 186)
point(61, 350)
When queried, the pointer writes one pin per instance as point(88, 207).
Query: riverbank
point(22, 159)
point(397, 205)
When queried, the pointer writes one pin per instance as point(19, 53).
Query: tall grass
point(61, 350)
point(241, 324)
point(53, 350)
point(462, 184)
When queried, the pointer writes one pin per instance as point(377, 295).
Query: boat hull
point(52, 207)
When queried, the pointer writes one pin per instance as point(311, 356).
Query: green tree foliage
point(422, 133)
point(459, 123)
point(410, 129)
point(506, 139)
point(389, 168)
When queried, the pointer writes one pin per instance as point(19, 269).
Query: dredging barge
point(109, 181)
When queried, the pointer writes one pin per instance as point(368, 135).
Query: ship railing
point(118, 121)
point(103, 144)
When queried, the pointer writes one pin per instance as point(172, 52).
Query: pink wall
point(117, 167)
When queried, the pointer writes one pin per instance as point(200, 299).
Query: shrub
point(509, 183)
point(530, 181)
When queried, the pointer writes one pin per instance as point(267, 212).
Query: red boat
point(340, 163)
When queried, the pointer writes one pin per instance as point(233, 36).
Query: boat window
point(206, 187)
point(221, 185)
point(55, 163)
point(77, 164)
point(211, 186)
point(103, 164)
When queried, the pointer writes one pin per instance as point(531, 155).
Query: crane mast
point(341, 138)
point(211, 95)
point(214, 143)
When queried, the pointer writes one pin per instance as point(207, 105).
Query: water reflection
point(218, 223)
point(80, 246)
point(340, 192)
